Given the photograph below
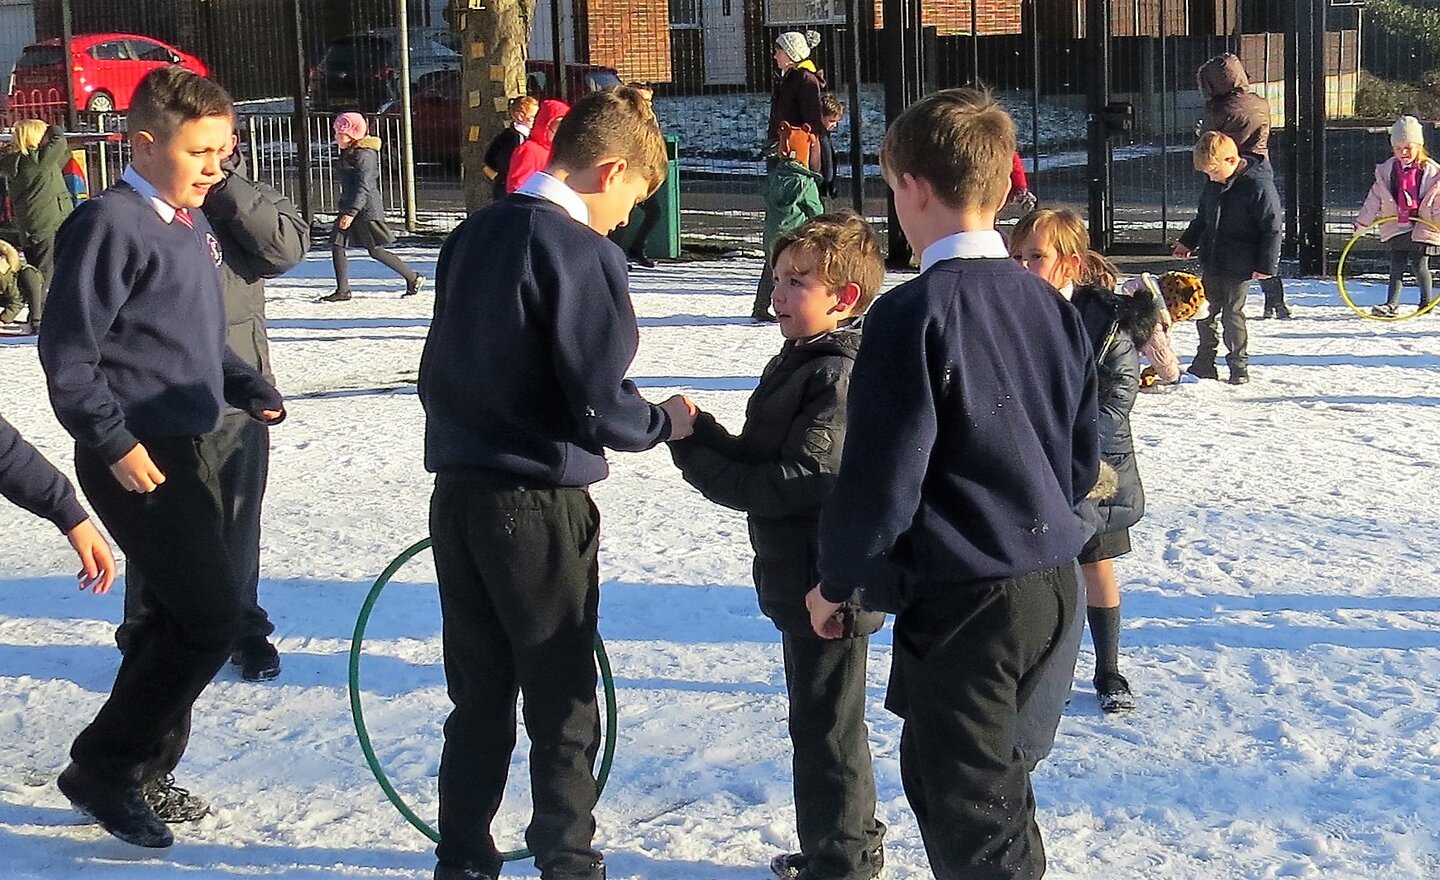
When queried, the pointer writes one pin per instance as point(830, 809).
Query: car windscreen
point(39, 56)
point(357, 55)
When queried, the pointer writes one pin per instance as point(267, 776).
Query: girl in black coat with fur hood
point(1055, 246)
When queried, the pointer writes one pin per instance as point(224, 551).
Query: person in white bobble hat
point(1406, 194)
point(796, 103)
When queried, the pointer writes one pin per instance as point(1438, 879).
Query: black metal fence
point(712, 64)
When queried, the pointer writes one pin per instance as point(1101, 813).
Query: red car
point(104, 71)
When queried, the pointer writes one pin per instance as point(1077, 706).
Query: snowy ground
point(1282, 633)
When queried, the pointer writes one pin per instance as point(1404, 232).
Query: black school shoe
point(256, 659)
point(791, 866)
point(1203, 370)
point(413, 287)
point(338, 296)
point(173, 804)
point(120, 810)
point(457, 872)
point(1113, 691)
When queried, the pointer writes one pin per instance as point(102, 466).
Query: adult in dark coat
point(1232, 109)
point(34, 174)
point(262, 235)
point(360, 214)
point(797, 94)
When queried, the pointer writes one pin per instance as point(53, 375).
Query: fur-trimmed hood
point(369, 142)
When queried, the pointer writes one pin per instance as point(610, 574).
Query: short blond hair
point(1213, 148)
point(526, 104)
point(616, 121)
point(28, 135)
point(961, 141)
point(845, 250)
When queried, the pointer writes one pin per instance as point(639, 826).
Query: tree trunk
point(494, 37)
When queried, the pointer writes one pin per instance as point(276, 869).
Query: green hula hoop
point(607, 678)
point(1340, 274)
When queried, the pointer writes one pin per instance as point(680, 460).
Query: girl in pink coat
point(1406, 190)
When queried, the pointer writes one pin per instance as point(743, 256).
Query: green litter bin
point(664, 240)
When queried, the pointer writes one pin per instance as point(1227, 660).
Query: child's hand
point(136, 472)
point(824, 615)
point(271, 416)
point(97, 563)
point(682, 412)
point(1181, 251)
point(345, 221)
point(1258, 276)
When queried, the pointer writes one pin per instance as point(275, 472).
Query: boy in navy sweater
point(972, 441)
point(27, 480)
point(134, 353)
point(1237, 231)
point(523, 383)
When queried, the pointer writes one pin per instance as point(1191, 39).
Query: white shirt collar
point(1068, 291)
point(148, 191)
point(543, 186)
point(981, 244)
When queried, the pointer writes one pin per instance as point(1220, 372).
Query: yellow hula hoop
point(1340, 274)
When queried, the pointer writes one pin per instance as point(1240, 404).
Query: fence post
point(302, 120)
point(1097, 34)
point(1310, 25)
point(407, 125)
point(1291, 198)
point(901, 47)
point(67, 36)
point(857, 146)
point(557, 43)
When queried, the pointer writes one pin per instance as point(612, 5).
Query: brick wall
point(952, 17)
point(632, 36)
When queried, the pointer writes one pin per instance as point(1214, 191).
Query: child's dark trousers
point(967, 657)
point(834, 783)
point(519, 595)
point(173, 535)
point(1227, 308)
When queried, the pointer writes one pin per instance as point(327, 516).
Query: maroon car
point(435, 104)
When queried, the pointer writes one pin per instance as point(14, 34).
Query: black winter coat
point(797, 100)
point(262, 236)
point(1117, 327)
point(1239, 224)
point(780, 470)
point(358, 169)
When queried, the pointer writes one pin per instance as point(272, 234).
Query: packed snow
point(1282, 625)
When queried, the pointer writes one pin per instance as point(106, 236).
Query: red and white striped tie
point(183, 215)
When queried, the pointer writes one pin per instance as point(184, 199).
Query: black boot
point(1239, 374)
point(338, 296)
point(120, 810)
point(1203, 367)
point(257, 658)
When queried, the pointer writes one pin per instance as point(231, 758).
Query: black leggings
point(1417, 262)
point(376, 252)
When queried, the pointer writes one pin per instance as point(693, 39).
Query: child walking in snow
point(779, 471)
point(1056, 246)
point(361, 219)
point(1406, 194)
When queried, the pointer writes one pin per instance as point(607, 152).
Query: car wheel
point(100, 102)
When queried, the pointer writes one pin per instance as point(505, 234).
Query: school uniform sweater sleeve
point(90, 285)
point(891, 431)
point(596, 338)
point(247, 389)
point(29, 481)
point(798, 480)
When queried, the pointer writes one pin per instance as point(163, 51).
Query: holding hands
point(1181, 251)
point(682, 412)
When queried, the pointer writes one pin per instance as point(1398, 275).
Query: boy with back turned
point(972, 441)
point(523, 384)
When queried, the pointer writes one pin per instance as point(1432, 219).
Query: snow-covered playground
point(1282, 624)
